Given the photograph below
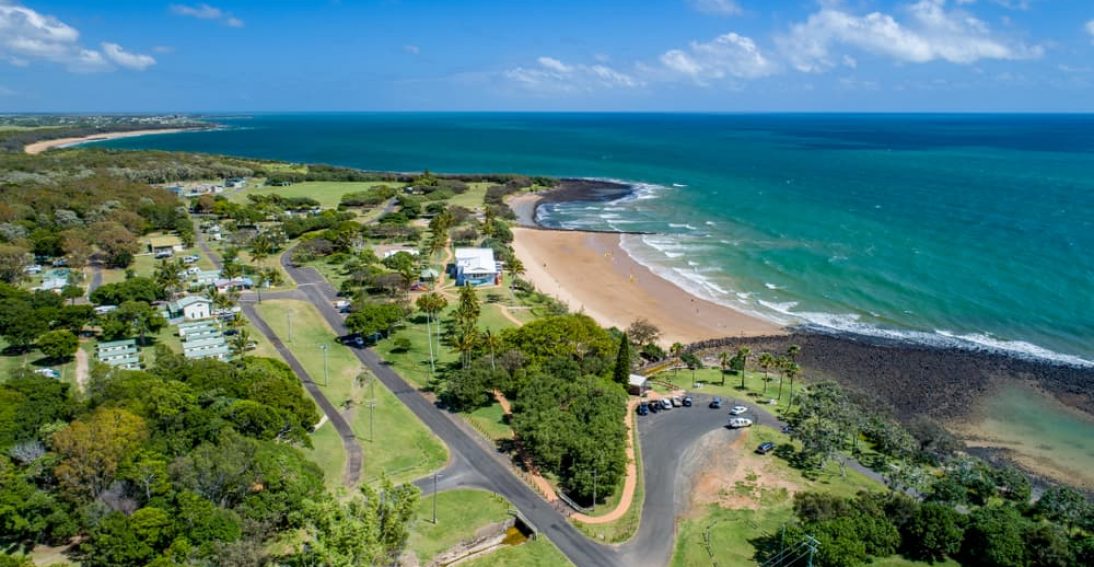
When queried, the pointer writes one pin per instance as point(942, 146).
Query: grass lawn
point(490, 421)
point(460, 513)
point(711, 380)
point(413, 365)
point(404, 448)
point(327, 452)
point(472, 198)
point(328, 193)
point(539, 552)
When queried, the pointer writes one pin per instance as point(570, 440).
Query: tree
point(60, 344)
point(994, 538)
point(766, 361)
point(467, 309)
point(791, 370)
point(140, 318)
point(72, 293)
point(374, 318)
point(1062, 504)
point(934, 532)
point(676, 350)
point(171, 276)
point(117, 243)
point(431, 304)
point(740, 363)
point(642, 332)
point(621, 373)
point(13, 262)
point(693, 363)
point(92, 449)
point(20, 323)
point(240, 342)
point(369, 529)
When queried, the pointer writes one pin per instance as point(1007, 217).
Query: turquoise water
point(973, 230)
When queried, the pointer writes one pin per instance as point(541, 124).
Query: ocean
point(974, 231)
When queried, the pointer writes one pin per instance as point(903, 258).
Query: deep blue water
point(962, 229)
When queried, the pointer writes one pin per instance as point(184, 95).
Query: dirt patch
point(733, 477)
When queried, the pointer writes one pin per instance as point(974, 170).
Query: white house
point(637, 384)
point(191, 307)
point(475, 266)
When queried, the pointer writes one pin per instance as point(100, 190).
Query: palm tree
point(676, 350)
point(171, 275)
point(742, 357)
point(431, 303)
point(766, 362)
point(723, 361)
point(492, 342)
point(780, 364)
point(792, 351)
point(792, 370)
point(466, 343)
point(515, 268)
point(240, 342)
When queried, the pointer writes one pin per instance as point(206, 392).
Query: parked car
point(676, 402)
point(655, 406)
point(716, 403)
point(765, 448)
point(643, 409)
point(48, 372)
point(737, 410)
point(665, 403)
point(787, 429)
point(739, 422)
point(687, 401)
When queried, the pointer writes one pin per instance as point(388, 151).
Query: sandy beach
point(39, 147)
point(592, 274)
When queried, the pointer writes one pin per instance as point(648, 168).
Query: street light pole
point(289, 315)
point(594, 489)
point(324, 347)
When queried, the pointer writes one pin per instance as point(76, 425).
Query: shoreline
point(592, 273)
point(45, 145)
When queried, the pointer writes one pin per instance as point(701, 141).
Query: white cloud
point(27, 35)
point(137, 61)
point(1090, 29)
point(728, 55)
point(412, 49)
point(207, 12)
point(717, 7)
point(552, 75)
point(929, 33)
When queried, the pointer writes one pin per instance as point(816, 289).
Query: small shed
point(164, 244)
point(638, 384)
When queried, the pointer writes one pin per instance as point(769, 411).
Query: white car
point(737, 410)
point(739, 422)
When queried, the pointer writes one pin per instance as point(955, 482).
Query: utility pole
point(289, 315)
point(371, 410)
point(812, 543)
point(324, 347)
point(435, 475)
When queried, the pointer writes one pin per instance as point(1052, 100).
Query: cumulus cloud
point(716, 7)
point(1090, 29)
point(118, 55)
point(930, 32)
point(550, 74)
point(207, 12)
point(728, 55)
point(27, 35)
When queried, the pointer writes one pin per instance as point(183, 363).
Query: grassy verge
point(328, 453)
point(403, 448)
point(539, 552)
point(328, 193)
point(460, 513)
point(490, 421)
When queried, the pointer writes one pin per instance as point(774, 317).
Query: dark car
point(787, 429)
point(687, 401)
point(643, 409)
point(716, 403)
point(655, 406)
point(765, 448)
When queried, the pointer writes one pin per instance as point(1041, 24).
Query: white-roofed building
point(475, 266)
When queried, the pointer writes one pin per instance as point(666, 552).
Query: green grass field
point(539, 552)
point(490, 421)
point(460, 513)
point(403, 448)
point(328, 193)
point(327, 452)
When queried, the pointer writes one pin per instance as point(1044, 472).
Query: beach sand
point(39, 147)
point(591, 273)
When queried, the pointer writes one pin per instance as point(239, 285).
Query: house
point(164, 245)
point(234, 183)
point(53, 284)
point(475, 266)
point(393, 251)
point(33, 269)
point(208, 347)
point(121, 354)
point(191, 307)
point(428, 275)
point(203, 278)
point(224, 285)
point(638, 384)
point(197, 329)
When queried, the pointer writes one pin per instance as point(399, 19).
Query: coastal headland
point(591, 273)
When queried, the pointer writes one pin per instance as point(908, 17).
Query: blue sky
point(644, 55)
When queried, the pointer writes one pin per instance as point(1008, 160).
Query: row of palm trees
point(786, 365)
